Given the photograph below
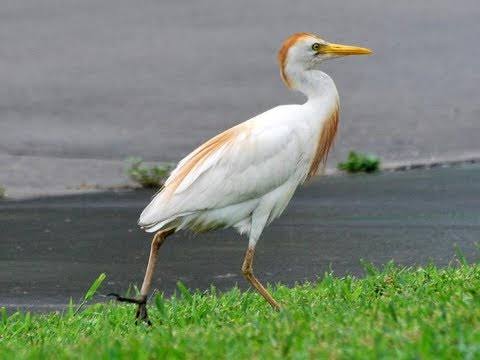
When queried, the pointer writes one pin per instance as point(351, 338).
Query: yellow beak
point(343, 50)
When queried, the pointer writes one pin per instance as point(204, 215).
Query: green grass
point(148, 176)
point(395, 313)
point(358, 162)
point(2, 192)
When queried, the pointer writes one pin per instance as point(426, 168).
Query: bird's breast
point(322, 128)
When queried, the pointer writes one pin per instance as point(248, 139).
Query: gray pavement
point(52, 248)
point(115, 78)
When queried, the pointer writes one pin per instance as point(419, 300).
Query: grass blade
point(93, 289)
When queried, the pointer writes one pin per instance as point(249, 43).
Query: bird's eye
point(315, 47)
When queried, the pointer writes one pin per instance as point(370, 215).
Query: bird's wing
point(242, 163)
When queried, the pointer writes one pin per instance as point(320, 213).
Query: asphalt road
point(115, 78)
point(53, 248)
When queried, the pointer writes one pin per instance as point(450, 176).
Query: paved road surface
point(115, 78)
point(51, 249)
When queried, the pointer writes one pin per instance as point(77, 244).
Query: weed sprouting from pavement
point(148, 176)
point(393, 312)
point(357, 162)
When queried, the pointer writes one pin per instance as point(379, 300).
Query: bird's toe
point(142, 315)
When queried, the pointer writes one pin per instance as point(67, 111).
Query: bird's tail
point(153, 217)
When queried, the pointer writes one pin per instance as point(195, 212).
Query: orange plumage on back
point(202, 153)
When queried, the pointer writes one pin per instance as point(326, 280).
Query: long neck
point(313, 83)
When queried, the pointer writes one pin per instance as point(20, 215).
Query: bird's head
point(304, 51)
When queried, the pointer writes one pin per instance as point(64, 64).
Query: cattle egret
point(245, 176)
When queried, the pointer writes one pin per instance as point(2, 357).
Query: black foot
point(141, 314)
point(128, 300)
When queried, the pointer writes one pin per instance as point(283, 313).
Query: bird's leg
point(247, 269)
point(157, 241)
point(141, 314)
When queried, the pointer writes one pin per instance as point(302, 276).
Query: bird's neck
point(315, 84)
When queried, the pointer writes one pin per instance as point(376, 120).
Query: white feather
point(247, 180)
point(259, 169)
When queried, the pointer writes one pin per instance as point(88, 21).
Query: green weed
point(357, 162)
point(148, 177)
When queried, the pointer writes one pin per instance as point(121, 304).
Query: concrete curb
point(26, 177)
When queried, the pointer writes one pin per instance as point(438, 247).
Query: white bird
point(245, 176)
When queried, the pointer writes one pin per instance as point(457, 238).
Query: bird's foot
point(128, 300)
point(141, 314)
point(277, 307)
